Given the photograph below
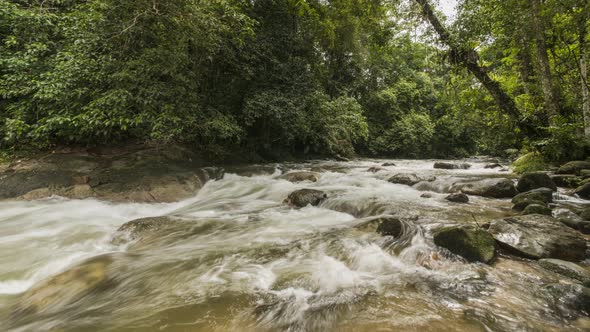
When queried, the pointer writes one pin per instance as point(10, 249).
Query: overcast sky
point(448, 7)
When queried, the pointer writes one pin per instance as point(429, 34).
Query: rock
point(572, 220)
point(54, 293)
point(140, 228)
point(495, 188)
point(538, 236)
point(304, 197)
point(409, 179)
point(537, 209)
point(388, 164)
point(573, 167)
point(300, 176)
point(585, 214)
point(566, 180)
point(457, 198)
point(443, 165)
point(583, 191)
point(568, 269)
point(426, 195)
point(585, 173)
point(386, 226)
point(376, 169)
point(534, 180)
point(473, 244)
point(493, 165)
point(570, 296)
point(542, 196)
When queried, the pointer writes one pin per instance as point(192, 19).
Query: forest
point(281, 78)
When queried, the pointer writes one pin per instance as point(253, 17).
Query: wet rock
point(304, 197)
point(139, 228)
point(388, 164)
point(54, 293)
point(537, 209)
point(585, 173)
point(495, 188)
point(473, 244)
point(585, 214)
point(457, 198)
point(493, 165)
point(542, 196)
point(572, 220)
point(443, 165)
point(534, 180)
point(409, 179)
point(386, 226)
point(426, 195)
point(569, 296)
point(538, 236)
point(568, 269)
point(376, 169)
point(583, 191)
point(573, 167)
point(300, 176)
point(566, 180)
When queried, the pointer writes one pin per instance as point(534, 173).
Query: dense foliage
point(286, 77)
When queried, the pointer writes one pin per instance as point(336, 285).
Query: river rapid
point(241, 260)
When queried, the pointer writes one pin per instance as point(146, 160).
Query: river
point(241, 260)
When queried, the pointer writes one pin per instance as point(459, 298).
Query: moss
point(530, 162)
point(473, 244)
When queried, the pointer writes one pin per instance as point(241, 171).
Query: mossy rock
point(574, 167)
point(530, 162)
point(473, 244)
point(583, 191)
point(300, 176)
point(458, 198)
point(305, 197)
point(537, 209)
point(567, 180)
point(541, 196)
point(534, 180)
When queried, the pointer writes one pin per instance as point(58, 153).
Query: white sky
point(448, 7)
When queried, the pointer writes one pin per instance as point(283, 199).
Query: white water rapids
point(244, 261)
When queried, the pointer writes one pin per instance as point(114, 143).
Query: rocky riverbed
point(159, 241)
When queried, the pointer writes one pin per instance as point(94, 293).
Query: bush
point(411, 136)
point(530, 162)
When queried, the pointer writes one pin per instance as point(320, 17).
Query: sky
point(448, 7)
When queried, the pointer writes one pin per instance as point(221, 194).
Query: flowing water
point(240, 260)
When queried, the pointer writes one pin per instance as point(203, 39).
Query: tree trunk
point(470, 59)
point(549, 93)
point(584, 78)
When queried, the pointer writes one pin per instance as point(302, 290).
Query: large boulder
point(410, 179)
point(443, 165)
point(473, 244)
point(300, 176)
point(458, 198)
point(305, 197)
point(537, 209)
point(534, 180)
point(572, 220)
point(538, 236)
point(567, 180)
point(573, 167)
point(495, 188)
point(541, 196)
point(568, 269)
point(583, 191)
point(54, 293)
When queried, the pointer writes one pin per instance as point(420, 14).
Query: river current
point(241, 260)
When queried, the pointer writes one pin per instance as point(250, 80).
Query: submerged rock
point(426, 195)
point(542, 196)
point(300, 176)
point(388, 164)
point(457, 198)
point(443, 165)
point(493, 165)
point(537, 209)
point(534, 180)
point(409, 179)
point(376, 169)
point(139, 228)
point(568, 269)
point(495, 188)
point(570, 296)
point(54, 293)
point(572, 220)
point(538, 236)
point(473, 244)
point(305, 197)
point(573, 167)
point(386, 226)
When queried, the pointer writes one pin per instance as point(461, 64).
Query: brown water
point(243, 261)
